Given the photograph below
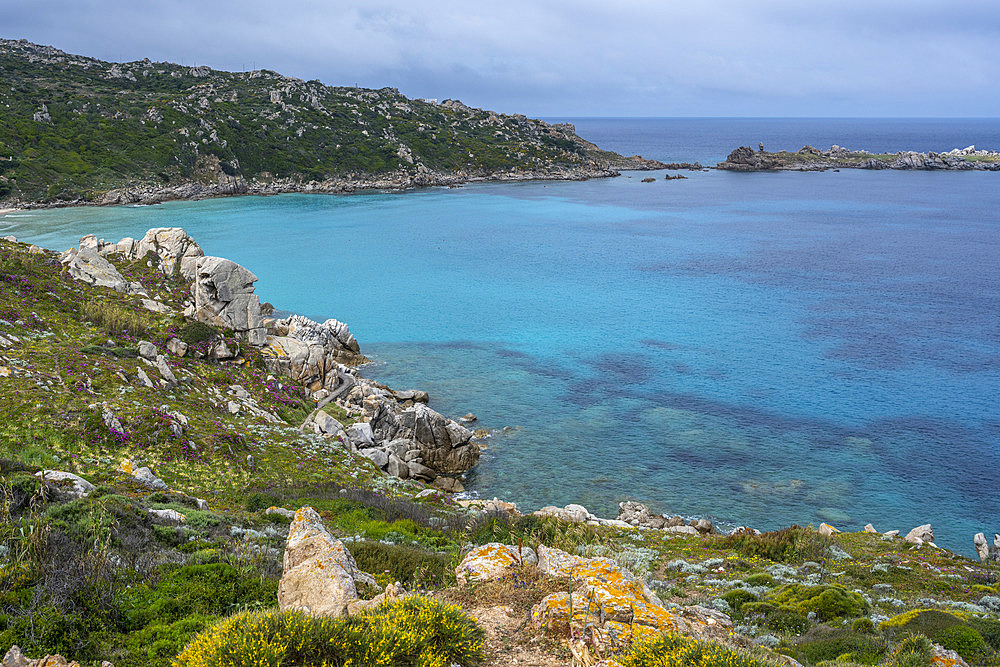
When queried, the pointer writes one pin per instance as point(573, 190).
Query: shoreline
point(392, 182)
point(808, 158)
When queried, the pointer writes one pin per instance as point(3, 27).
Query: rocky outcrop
point(987, 552)
point(410, 442)
point(608, 597)
point(176, 252)
point(320, 575)
point(808, 158)
point(313, 354)
point(87, 266)
point(223, 296)
point(67, 483)
point(492, 561)
point(921, 535)
point(15, 658)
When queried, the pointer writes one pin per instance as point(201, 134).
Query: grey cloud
point(631, 57)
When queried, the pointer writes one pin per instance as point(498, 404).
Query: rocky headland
point(808, 158)
point(179, 468)
point(158, 131)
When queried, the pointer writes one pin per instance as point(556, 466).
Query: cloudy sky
point(573, 57)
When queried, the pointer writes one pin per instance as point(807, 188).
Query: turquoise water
point(759, 348)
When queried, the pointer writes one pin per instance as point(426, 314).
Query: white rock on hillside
point(320, 575)
point(223, 296)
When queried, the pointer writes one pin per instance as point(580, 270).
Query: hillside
point(158, 448)
point(74, 129)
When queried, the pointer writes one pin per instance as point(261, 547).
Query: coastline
point(392, 182)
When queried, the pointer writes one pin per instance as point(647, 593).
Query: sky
point(899, 58)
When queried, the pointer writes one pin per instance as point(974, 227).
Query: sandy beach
point(5, 211)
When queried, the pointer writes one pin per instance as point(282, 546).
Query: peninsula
point(808, 158)
point(76, 130)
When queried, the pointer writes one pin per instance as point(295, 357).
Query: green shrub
point(158, 643)
point(411, 631)
point(914, 651)
point(789, 545)
point(989, 629)
point(679, 651)
point(786, 621)
point(863, 625)
point(738, 597)
point(213, 589)
point(824, 643)
point(826, 601)
point(114, 320)
point(969, 643)
point(257, 502)
point(760, 579)
point(408, 565)
point(198, 332)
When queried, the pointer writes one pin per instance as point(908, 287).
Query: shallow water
point(761, 348)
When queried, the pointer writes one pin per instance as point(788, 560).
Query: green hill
point(74, 128)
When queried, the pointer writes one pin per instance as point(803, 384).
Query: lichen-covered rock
point(15, 658)
point(224, 296)
point(177, 252)
point(170, 517)
point(571, 513)
point(491, 561)
point(320, 575)
point(942, 657)
point(618, 594)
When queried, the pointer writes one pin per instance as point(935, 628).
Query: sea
point(762, 349)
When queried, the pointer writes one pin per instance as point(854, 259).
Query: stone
point(360, 434)
point(449, 484)
point(687, 530)
point(224, 296)
point(146, 477)
point(411, 395)
point(281, 511)
point(704, 526)
point(891, 533)
point(144, 379)
point(570, 513)
point(327, 424)
point(637, 514)
point(920, 534)
point(320, 575)
point(377, 456)
point(982, 547)
point(172, 517)
point(15, 658)
point(491, 561)
point(232, 407)
point(397, 467)
point(468, 418)
point(68, 483)
point(177, 347)
point(147, 350)
point(420, 471)
point(826, 530)
point(605, 594)
point(943, 657)
point(313, 353)
point(86, 266)
point(165, 372)
point(870, 528)
point(155, 306)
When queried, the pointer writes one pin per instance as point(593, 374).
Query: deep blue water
point(760, 348)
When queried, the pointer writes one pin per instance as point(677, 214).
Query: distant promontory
point(808, 158)
point(76, 130)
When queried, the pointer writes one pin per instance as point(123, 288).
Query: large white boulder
point(320, 575)
point(223, 296)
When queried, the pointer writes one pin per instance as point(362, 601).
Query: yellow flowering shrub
point(673, 650)
point(406, 632)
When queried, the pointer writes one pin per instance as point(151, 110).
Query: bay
point(763, 349)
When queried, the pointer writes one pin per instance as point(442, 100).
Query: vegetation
point(72, 128)
point(414, 631)
point(101, 578)
point(673, 650)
